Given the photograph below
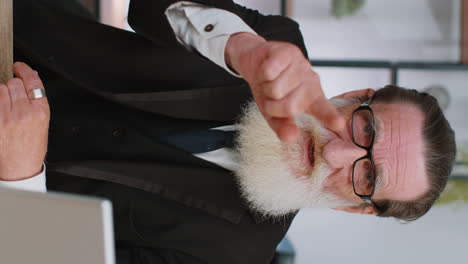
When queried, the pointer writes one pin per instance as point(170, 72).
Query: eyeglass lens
point(363, 177)
point(363, 128)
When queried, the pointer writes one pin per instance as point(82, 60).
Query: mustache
point(320, 135)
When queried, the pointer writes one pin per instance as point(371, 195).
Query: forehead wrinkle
point(405, 149)
point(394, 140)
point(400, 163)
point(386, 140)
point(395, 149)
point(388, 164)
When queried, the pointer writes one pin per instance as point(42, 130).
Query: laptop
point(55, 228)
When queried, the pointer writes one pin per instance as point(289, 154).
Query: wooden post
point(6, 40)
point(464, 32)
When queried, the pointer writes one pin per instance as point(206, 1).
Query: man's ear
point(365, 93)
point(370, 210)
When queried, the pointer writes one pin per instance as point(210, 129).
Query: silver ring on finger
point(36, 93)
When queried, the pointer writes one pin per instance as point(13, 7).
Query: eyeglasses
point(363, 134)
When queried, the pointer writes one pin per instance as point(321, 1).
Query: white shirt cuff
point(34, 184)
point(205, 29)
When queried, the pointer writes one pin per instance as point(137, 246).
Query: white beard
point(267, 181)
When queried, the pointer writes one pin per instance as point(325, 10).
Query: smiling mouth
point(311, 156)
point(308, 158)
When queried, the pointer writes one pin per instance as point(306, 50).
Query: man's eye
point(368, 129)
point(370, 176)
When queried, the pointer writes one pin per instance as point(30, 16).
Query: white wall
point(114, 13)
point(327, 237)
point(423, 30)
point(266, 7)
point(456, 82)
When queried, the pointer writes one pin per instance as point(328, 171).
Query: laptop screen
point(55, 228)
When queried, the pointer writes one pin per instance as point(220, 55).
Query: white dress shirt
point(205, 29)
point(34, 184)
point(225, 157)
point(198, 27)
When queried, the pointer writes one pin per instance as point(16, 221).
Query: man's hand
point(282, 82)
point(24, 126)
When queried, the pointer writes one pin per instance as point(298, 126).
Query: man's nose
point(341, 153)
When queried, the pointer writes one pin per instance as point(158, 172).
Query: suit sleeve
point(147, 18)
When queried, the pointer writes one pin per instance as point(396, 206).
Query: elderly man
point(139, 119)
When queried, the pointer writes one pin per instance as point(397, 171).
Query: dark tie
point(200, 140)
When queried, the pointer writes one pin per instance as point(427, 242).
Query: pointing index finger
point(328, 114)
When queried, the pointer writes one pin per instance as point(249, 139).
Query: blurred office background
point(355, 44)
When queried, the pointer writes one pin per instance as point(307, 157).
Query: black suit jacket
point(112, 93)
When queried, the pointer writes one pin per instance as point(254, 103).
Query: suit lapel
point(215, 103)
point(213, 191)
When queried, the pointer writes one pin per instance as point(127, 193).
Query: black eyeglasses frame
point(365, 106)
